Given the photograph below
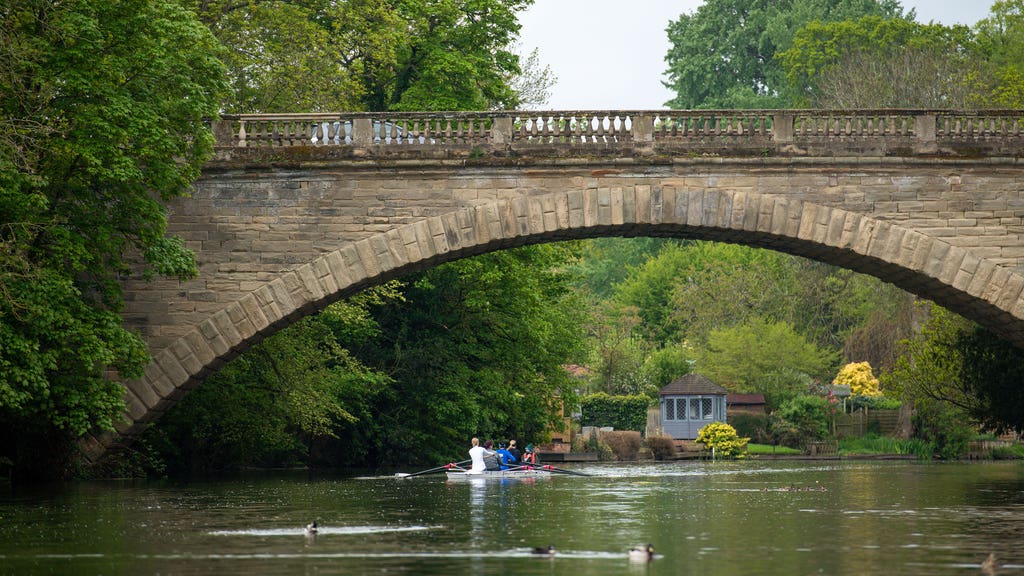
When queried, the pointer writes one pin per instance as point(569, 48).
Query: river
point(709, 518)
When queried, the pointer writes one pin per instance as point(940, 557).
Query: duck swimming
point(548, 550)
point(642, 553)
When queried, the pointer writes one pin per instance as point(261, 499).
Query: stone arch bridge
point(297, 211)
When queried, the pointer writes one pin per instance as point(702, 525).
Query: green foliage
point(103, 104)
point(1001, 41)
point(723, 439)
point(882, 62)
point(802, 419)
point(873, 403)
point(605, 262)
point(619, 412)
point(754, 426)
point(369, 54)
point(762, 357)
point(648, 289)
point(1012, 452)
point(295, 390)
point(714, 285)
point(475, 349)
point(942, 428)
point(956, 362)
point(723, 55)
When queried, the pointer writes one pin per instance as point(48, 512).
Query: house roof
point(745, 399)
point(691, 385)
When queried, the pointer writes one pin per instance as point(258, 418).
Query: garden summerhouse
point(688, 404)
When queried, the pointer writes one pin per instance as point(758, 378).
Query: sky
point(610, 54)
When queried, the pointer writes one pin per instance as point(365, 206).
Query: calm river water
point(756, 517)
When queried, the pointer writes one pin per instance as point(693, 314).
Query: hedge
point(619, 412)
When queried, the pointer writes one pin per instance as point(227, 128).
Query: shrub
point(805, 416)
point(753, 426)
point(943, 428)
point(661, 447)
point(625, 444)
point(723, 439)
point(860, 379)
point(619, 412)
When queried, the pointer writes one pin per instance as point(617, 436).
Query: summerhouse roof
point(692, 384)
point(745, 399)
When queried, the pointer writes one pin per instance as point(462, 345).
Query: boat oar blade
point(432, 470)
point(563, 470)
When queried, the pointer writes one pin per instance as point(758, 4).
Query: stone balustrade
point(741, 132)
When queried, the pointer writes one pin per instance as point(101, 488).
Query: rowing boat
point(512, 473)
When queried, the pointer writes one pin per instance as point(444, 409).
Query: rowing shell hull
point(497, 474)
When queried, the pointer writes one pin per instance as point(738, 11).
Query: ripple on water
point(321, 530)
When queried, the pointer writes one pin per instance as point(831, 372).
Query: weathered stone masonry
point(299, 211)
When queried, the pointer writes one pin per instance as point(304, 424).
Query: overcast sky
point(610, 54)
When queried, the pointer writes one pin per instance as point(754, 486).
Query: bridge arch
point(930, 267)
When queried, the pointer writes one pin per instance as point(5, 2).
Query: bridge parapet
point(726, 132)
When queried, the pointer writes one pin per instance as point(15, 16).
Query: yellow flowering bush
point(724, 439)
point(858, 376)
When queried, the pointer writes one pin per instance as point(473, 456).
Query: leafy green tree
point(1001, 38)
point(765, 357)
point(280, 403)
point(723, 55)
point(724, 285)
point(103, 104)
point(477, 348)
point(876, 62)
point(605, 262)
point(286, 56)
point(319, 55)
point(955, 362)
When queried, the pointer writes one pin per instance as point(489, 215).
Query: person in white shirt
point(477, 453)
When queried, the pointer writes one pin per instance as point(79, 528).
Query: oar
point(438, 469)
point(551, 468)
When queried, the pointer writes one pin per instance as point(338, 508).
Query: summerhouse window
point(705, 409)
point(670, 409)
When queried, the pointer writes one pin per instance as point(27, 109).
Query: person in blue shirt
point(506, 457)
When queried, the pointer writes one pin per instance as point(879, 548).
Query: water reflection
point(706, 518)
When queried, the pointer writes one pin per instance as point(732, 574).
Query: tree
point(858, 376)
point(280, 403)
point(319, 55)
point(104, 105)
point(876, 62)
point(723, 55)
point(477, 347)
point(287, 56)
point(533, 85)
point(761, 356)
point(1001, 40)
point(956, 362)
